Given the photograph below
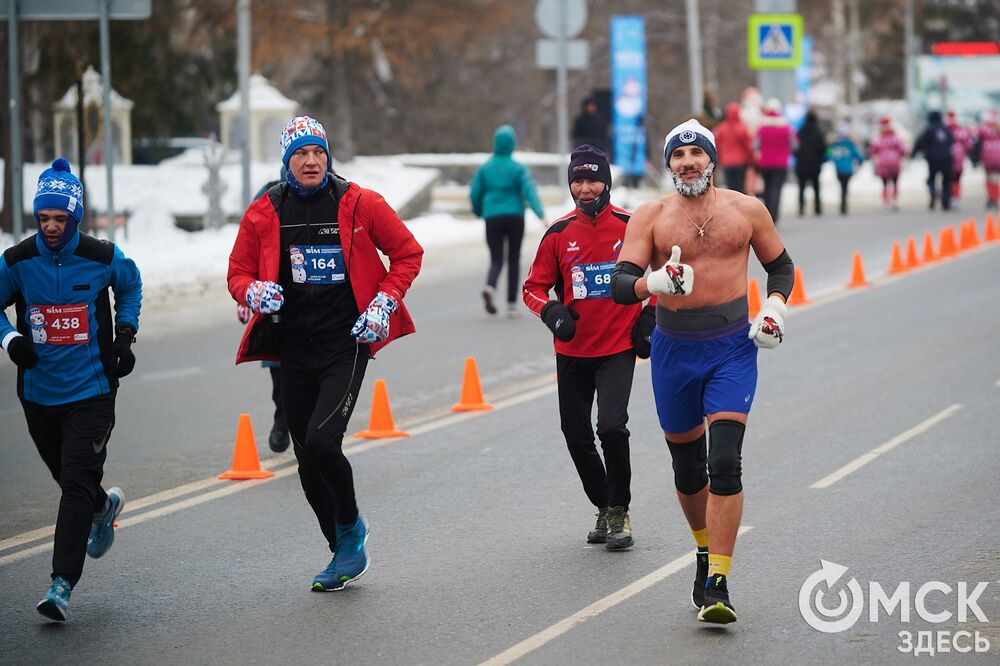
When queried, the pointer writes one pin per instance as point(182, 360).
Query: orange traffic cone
point(965, 239)
point(974, 233)
point(246, 464)
point(858, 273)
point(798, 295)
point(947, 248)
point(929, 255)
point(753, 298)
point(380, 424)
point(912, 260)
point(472, 392)
point(896, 265)
point(990, 233)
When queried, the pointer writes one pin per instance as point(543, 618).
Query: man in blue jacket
point(70, 357)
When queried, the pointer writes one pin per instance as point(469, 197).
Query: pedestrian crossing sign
point(774, 41)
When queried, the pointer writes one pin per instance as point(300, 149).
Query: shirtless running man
point(704, 351)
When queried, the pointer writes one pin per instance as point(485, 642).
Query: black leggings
point(804, 182)
point(774, 179)
point(844, 179)
point(735, 177)
point(319, 390)
point(509, 229)
point(606, 483)
point(72, 440)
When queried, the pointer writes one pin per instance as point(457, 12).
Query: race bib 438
point(59, 324)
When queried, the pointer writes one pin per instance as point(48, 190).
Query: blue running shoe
point(102, 531)
point(351, 560)
point(326, 580)
point(55, 605)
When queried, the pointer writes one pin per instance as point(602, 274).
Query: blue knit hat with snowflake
point(303, 131)
point(59, 189)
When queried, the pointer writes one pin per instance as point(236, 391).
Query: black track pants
point(72, 440)
point(605, 482)
point(319, 391)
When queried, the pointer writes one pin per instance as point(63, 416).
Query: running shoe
point(716, 607)
point(55, 605)
point(326, 580)
point(489, 295)
point(619, 529)
point(700, 577)
point(600, 532)
point(351, 560)
point(102, 530)
point(278, 439)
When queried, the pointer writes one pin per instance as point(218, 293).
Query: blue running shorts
point(703, 372)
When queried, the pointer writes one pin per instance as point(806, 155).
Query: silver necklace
point(700, 227)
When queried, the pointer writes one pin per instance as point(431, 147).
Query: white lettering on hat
point(586, 167)
point(72, 204)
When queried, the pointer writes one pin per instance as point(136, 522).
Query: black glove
point(643, 331)
point(22, 351)
point(121, 351)
point(561, 319)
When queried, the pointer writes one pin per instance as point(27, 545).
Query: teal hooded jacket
point(503, 186)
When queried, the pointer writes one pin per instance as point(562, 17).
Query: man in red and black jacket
point(596, 340)
point(306, 262)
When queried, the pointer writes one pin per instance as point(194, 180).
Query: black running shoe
point(600, 532)
point(619, 529)
point(715, 606)
point(278, 440)
point(700, 576)
point(489, 296)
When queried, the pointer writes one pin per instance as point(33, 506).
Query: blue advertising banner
point(628, 92)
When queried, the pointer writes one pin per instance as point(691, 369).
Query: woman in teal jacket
point(500, 190)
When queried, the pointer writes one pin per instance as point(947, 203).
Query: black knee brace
point(725, 446)
point(690, 473)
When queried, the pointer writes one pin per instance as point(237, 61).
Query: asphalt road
point(478, 522)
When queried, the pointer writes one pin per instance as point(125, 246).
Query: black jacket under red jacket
point(575, 258)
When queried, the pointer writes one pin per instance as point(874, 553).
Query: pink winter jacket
point(775, 143)
point(887, 151)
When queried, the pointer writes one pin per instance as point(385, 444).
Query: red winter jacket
point(732, 139)
point(575, 258)
point(367, 224)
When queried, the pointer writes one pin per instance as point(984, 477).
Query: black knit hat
point(589, 162)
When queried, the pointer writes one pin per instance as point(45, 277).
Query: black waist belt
point(707, 318)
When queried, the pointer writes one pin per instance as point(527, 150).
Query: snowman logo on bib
point(579, 282)
point(298, 265)
point(36, 319)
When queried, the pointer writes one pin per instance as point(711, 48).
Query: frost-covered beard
point(698, 187)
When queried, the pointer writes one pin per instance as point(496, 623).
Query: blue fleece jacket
point(50, 291)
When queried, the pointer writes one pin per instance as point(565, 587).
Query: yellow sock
point(719, 564)
point(701, 537)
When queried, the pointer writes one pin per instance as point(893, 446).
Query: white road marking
point(282, 465)
point(169, 374)
point(556, 630)
point(866, 458)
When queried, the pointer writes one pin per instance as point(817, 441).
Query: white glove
point(768, 328)
point(264, 297)
point(673, 278)
point(373, 324)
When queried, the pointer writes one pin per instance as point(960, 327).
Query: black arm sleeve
point(623, 280)
point(780, 275)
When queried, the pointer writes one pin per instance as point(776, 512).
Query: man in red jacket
point(306, 263)
point(596, 340)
